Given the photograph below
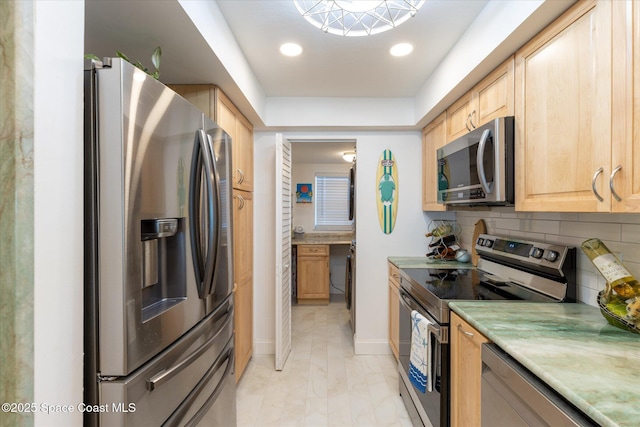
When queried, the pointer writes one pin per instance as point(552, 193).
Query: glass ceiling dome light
point(357, 17)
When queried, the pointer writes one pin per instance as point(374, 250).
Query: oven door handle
point(435, 331)
point(440, 333)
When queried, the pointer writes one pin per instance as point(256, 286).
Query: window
point(332, 202)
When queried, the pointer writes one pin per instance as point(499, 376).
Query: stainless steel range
point(508, 269)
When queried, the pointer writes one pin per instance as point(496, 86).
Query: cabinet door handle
point(240, 176)
point(613, 175)
point(241, 200)
point(593, 184)
point(473, 113)
point(466, 122)
point(469, 334)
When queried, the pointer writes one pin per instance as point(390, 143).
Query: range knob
point(488, 243)
point(551, 256)
point(536, 253)
point(480, 241)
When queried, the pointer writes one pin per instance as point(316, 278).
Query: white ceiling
point(321, 151)
point(336, 66)
point(234, 44)
point(330, 66)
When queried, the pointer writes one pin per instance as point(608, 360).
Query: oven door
point(432, 407)
point(478, 167)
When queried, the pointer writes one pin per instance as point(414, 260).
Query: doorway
point(308, 159)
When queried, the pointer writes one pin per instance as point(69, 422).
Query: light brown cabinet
point(466, 370)
point(434, 136)
point(394, 309)
point(491, 98)
point(625, 150)
point(213, 102)
point(313, 274)
point(241, 131)
point(243, 276)
point(564, 113)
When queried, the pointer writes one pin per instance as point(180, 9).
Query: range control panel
point(528, 252)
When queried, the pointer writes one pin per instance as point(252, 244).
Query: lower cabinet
point(243, 278)
point(243, 325)
point(313, 274)
point(394, 301)
point(466, 371)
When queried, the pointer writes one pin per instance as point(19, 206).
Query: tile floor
point(323, 383)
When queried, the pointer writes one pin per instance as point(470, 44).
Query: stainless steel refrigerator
point(158, 256)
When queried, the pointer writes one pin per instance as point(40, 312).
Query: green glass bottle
point(614, 272)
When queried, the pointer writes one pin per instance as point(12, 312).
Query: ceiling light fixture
point(357, 17)
point(291, 49)
point(401, 49)
point(349, 156)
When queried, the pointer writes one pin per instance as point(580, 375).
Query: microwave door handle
point(480, 161)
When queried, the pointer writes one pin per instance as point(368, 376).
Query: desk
point(319, 282)
point(323, 239)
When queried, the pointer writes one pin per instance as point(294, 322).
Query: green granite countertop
point(424, 262)
point(572, 348)
point(323, 239)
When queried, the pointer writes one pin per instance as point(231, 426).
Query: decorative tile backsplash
point(620, 232)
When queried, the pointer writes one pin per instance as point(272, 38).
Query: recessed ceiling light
point(291, 49)
point(401, 49)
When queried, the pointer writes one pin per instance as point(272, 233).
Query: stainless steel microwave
point(477, 168)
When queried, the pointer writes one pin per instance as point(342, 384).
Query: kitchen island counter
point(572, 348)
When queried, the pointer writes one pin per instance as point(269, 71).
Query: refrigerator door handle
point(164, 376)
point(214, 228)
point(202, 263)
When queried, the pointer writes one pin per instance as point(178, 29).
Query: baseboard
point(360, 347)
point(264, 347)
point(371, 346)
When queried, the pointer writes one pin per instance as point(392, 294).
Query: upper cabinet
point(564, 114)
point(241, 131)
point(492, 97)
point(622, 183)
point(213, 102)
point(434, 136)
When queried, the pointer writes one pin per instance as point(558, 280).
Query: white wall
point(58, 166)
point(373, 246)
point(305, 173)
point(264, 260)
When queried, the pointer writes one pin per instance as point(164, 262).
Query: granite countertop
point(572, 348)
point(424, 262)
point(323, 239)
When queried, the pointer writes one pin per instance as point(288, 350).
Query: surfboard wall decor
point(387, 191)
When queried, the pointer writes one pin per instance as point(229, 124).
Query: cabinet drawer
point(313, 250)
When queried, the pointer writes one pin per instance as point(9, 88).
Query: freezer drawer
point(183, 377)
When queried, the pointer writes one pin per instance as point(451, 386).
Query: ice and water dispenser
point(163, 265)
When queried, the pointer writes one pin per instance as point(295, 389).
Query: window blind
point(332, 202)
